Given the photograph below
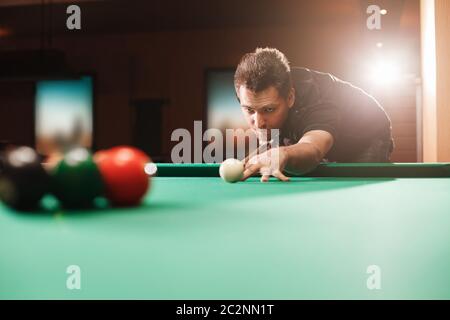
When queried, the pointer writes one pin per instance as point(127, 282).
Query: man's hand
point(298, 159)
point(269, 163)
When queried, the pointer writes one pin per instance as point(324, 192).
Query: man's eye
point(250, 110)
point(269, 109)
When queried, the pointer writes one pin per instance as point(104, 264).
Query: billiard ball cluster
point(76, 179)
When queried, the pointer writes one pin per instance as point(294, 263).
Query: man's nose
point(259, 121)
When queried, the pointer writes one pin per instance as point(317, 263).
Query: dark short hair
point(263, 68)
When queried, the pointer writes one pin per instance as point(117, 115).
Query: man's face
point(266, 109)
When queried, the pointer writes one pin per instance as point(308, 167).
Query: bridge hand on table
point(269, 163)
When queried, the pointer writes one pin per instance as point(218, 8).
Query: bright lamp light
point(384, 72)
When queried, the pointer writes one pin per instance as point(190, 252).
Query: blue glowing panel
point(64, 114)
point(223, 108)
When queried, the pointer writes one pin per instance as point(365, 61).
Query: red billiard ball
point(123, 172)
point(131, 150)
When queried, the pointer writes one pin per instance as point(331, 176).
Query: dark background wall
point(152, 52)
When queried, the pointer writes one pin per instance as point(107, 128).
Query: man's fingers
point(278, 174)
point(251, 170)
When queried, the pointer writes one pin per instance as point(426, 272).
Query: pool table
point(197, 237)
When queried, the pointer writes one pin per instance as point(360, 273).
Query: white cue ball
point(231, 170)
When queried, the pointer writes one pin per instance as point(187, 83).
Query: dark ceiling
point(23, 18)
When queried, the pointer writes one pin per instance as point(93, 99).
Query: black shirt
point(324, 102)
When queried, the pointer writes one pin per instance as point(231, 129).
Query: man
point(319, 116)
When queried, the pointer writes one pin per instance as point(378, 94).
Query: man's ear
point(291, 97)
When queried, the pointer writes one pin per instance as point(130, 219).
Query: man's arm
point(306, 154)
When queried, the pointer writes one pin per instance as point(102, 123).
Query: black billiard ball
point(76, 180)
point(23, 180)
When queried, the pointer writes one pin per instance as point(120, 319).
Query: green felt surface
point(201, 238)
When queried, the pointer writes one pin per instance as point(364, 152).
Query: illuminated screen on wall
point(63, 114)
point(223, 108)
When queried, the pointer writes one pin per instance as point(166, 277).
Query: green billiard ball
point(76, 180)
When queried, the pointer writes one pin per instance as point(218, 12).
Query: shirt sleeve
point(323, 116)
